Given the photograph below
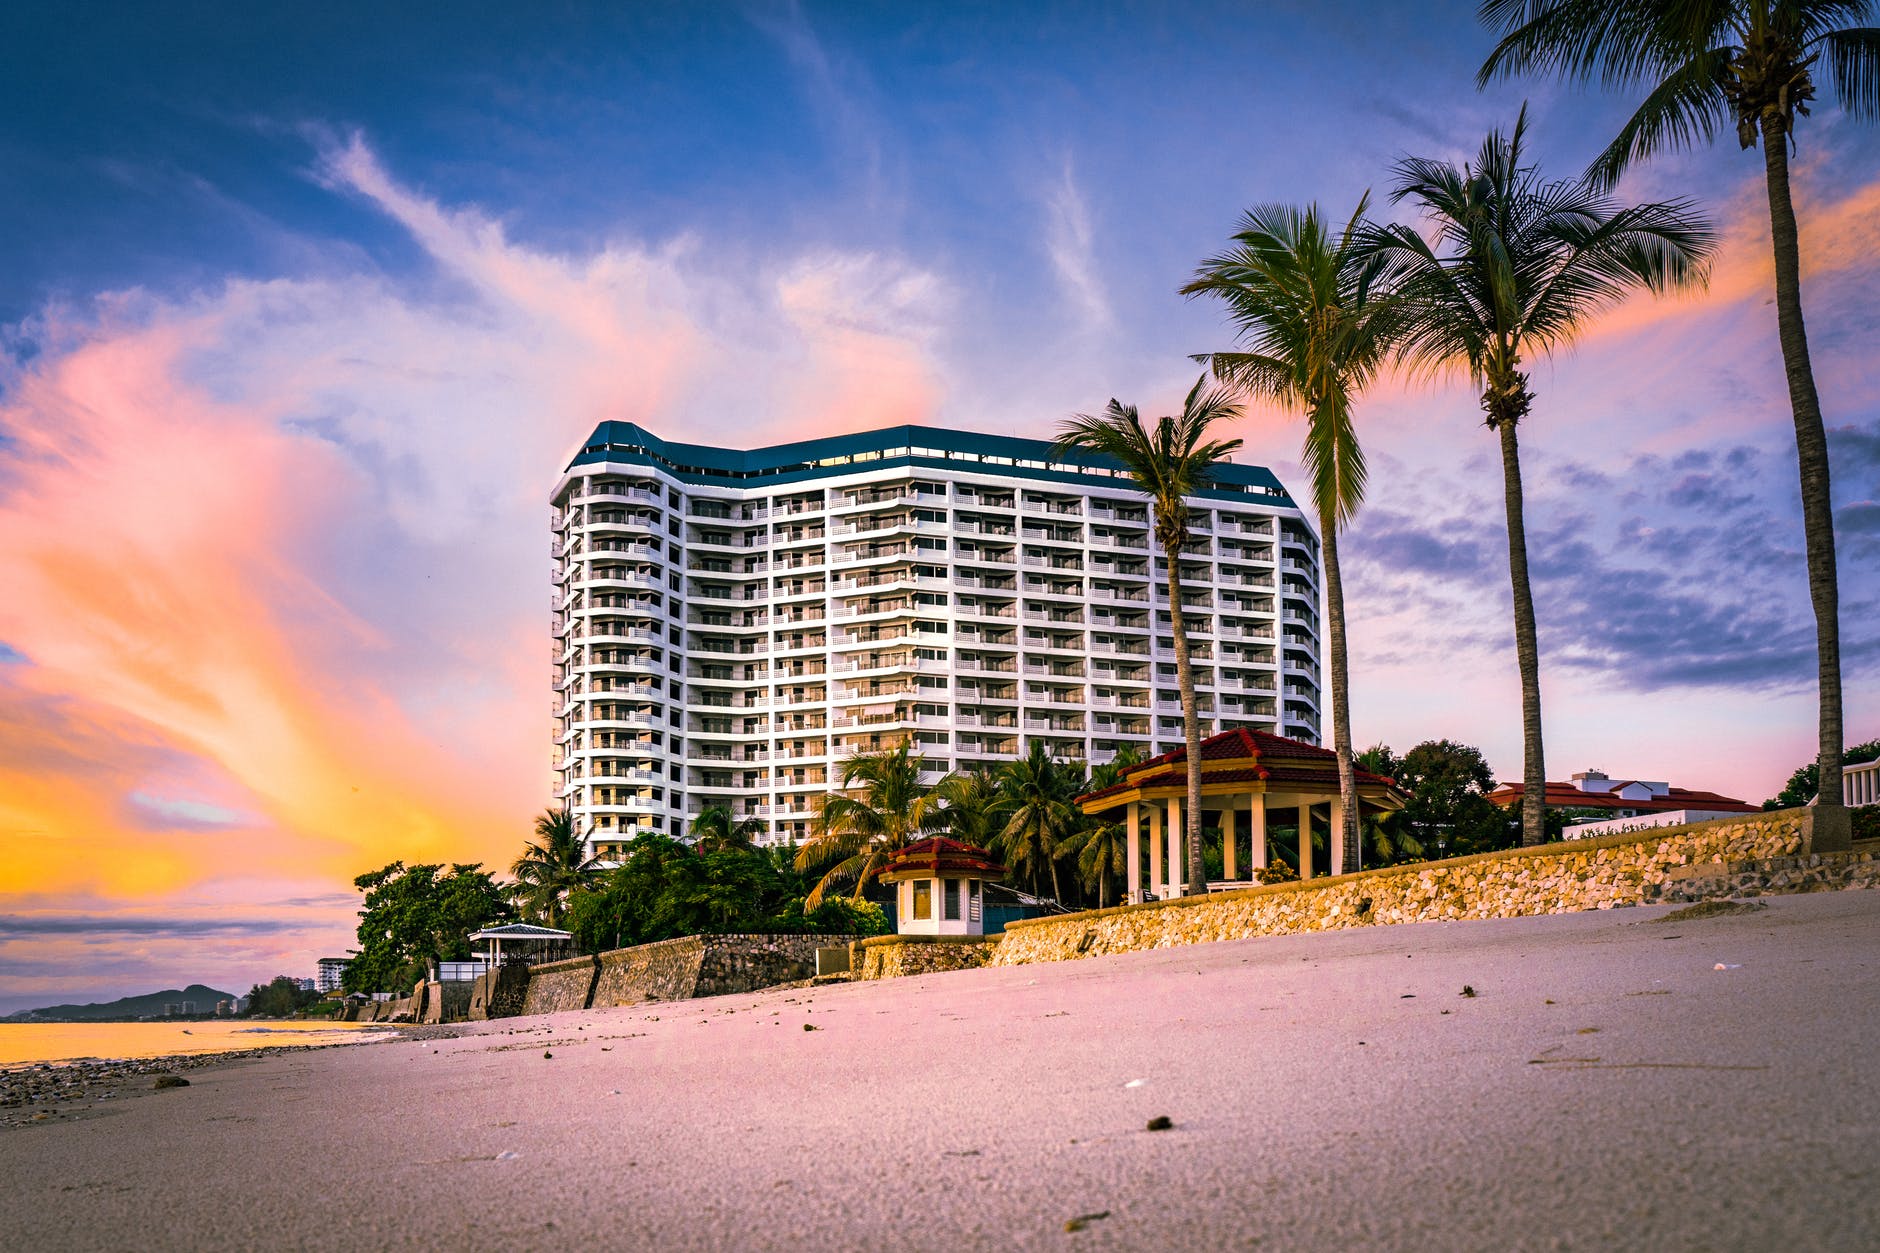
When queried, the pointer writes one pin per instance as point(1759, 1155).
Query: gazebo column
point(1155, 850)
point(1177, 859)
point(1133, 881)
point(1227, 841)
point(1338, 835)
point(1256, 852)
point(1305, 839)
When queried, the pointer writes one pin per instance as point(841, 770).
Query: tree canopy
point(414, 915)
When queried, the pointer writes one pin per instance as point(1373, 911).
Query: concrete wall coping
point(895, 941)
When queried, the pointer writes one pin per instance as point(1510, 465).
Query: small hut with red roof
point(1244, 774)
point(939, 887)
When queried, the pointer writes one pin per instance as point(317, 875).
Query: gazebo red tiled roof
point(939, 856)
point(1245, 760)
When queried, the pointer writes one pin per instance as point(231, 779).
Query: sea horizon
point(34, 1043)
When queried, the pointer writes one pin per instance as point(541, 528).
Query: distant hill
point(150, 1006)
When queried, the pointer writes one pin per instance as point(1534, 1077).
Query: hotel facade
point(730, 625)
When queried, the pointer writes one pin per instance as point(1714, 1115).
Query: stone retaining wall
point(706, 965)
point(1602, 873)
point(1777, 876)
point(664, 971)
point(498, 993)
point(446, 1002)
point(562, 985)
point(893, 956)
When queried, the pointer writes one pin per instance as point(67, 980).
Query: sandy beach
point(1606, 1085)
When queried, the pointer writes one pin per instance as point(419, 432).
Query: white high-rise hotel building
point(730, 625)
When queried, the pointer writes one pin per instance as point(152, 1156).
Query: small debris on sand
point(170, 1081)
point(1712, 909)
point(1161, 1122)
point(1084, 1220)
point(1468, 990)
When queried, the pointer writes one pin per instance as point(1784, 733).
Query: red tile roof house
point(1626, 804)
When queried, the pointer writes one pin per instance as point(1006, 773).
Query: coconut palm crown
point(1168, 462)
point(1520, 265)
point(882, 807)
point(1703, 65)
point(716, 830)
point(1316, 319)
point(1041, 818)
point(554, 865)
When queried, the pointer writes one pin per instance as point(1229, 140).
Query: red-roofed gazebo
point(1242, 771)
point(939, 887)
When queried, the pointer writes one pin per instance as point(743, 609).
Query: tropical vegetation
point(415, 915)
point(1316, 319)
point(882, 807)
point(1520, 265)
point(1703, 66)
point(1169, 463)
point(554, 865)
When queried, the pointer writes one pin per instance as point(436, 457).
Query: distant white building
point(331, 970)
point(730, 625)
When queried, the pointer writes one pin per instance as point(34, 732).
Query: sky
point(303, 308)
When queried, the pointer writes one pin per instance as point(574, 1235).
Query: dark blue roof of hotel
point(889, 445)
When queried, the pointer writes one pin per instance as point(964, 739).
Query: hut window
point(952, 900)
point(972, 904)
point(923, 899)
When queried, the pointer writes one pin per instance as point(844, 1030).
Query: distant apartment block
point(329, 973)
point(730, 625)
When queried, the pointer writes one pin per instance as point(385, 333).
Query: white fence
point(1860, 785)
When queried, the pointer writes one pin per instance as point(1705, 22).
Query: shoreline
point(37, 1093)
point(1605, 1079)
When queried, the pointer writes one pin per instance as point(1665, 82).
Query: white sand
point(1655, 1102)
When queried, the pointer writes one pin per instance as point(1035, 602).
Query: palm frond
point(1687, 106)
point(1853, 58)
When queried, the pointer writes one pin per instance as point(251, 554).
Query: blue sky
point(303, 307)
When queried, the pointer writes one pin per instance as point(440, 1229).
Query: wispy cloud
point(273, 552)
point(839, 92)
point(1071, 243)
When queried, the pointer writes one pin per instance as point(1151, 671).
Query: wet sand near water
point(1614, 1080)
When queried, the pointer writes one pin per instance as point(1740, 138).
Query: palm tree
point(882, 808)
point(1751, 62)
point(714, 830)
point(975, 807)
point(1169, 464)
point(1527, 265)
point(1102, 848)
point(1040, 816)
point(556, 864)
point(1315, 318)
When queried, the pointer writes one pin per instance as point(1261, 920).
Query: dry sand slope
point(1606, 1086)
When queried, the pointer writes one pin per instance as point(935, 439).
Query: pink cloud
point(280, 548)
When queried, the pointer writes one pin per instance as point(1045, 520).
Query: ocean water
point(23, 1043)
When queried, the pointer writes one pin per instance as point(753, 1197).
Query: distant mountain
point(151, 1006)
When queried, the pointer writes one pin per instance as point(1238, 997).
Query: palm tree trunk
point(1191, 721)
point(1341, 694)
point(1526, 646)
point(1832, 826)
